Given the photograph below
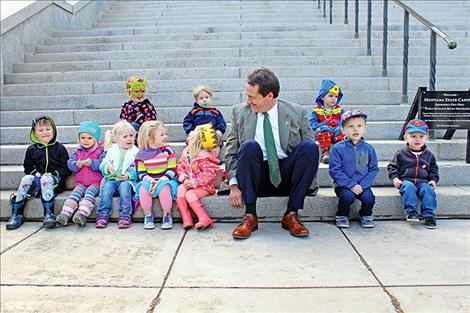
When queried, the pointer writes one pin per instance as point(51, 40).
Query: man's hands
point(235, 196)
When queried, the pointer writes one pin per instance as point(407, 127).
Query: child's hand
point(433, 184)
point(124, 176)
point(397, 183)
point(79, 164)
point(110, 169)
point(188, 184)
point(153, 186)
point(332, 123)
point(357, 189)
point(87, 162)
point(218, 133)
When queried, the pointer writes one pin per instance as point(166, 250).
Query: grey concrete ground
point(394, 267)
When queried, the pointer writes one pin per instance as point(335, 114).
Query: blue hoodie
point(326, 85)
point(353, 164)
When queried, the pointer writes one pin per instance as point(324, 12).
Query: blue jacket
point(353, 164)
point(199, 116)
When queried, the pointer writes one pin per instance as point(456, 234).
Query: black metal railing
point(434, 32)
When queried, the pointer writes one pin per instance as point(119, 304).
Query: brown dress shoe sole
point(299, 235)
point(244, 237)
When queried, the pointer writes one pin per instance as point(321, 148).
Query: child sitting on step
point(45, 166)
point(325, 118)
point(119, 174)
point(197, 169)
point(204, 112)
point(85, 164)
point(354, 167)
point(156, 170)
point(414, 172)
point(139, 109)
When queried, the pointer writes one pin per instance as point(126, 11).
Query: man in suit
point(270, 152)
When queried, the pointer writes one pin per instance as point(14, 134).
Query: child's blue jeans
point(347, 197)
point(411, 193)
point(112, 188)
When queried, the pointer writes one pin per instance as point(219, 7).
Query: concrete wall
point(29, 27)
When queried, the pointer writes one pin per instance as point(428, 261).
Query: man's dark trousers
point(297, 173)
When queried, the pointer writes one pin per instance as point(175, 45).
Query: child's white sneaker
point(167, 222)
point(342, 221)
point(367, 221)
point(149, 222)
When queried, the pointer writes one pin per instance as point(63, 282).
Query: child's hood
point(33, 136)
point(326, 85)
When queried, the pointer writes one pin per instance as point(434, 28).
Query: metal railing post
point(331, 11)
point(319, 4)
point(324, 8)
point(432, 62)
point(385, 39)
point(369, 26)
point(356, 19)
point(345, 11)
point(404, 88)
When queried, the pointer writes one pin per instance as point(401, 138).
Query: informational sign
point(445, 109)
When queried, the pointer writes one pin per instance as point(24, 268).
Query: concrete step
point(228, 72)
point(198, 44)
point(449, 172)
point(382, 130)
point(323, 206)
point(193, 36)
point(182, 99)
point(226, 84)
point(444, 150)
point(170, 114)
point(256, 61)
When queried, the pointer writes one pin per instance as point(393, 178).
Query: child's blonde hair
point(200, 88)
point(111, 135)
point(194, 143)
point(147, 132)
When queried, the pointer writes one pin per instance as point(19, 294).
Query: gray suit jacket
point(293, 128)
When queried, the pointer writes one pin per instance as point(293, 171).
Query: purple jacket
point(87, 175)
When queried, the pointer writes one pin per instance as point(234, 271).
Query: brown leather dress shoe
point(248, 224)
point(292, 223)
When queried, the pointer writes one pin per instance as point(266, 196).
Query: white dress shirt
point(259, 135)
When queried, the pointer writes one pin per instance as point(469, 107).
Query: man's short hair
point(266, 80)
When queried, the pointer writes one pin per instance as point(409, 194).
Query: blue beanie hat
point(91, 128)
point(327, 85)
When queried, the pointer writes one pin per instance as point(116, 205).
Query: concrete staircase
point(79, 75)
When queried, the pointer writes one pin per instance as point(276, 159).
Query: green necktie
point(273, 162)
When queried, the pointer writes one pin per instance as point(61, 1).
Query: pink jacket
point(201, 171)
point(87, 175)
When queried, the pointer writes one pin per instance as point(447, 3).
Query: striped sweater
point(156, 163)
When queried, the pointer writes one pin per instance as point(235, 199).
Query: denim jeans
point(112, 188)
point(411, 193)
point(347, 197)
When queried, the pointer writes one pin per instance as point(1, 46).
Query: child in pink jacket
point(85, 164)
point(196, 170)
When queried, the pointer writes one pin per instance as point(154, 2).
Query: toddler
point(414, 172)
point(85, 164)
point(197, 169)
point(204, 112)
point(156, 169)
point(354, 167)
point(138, 109)
point(119, 174)
point(325, 118)
point(45, 166)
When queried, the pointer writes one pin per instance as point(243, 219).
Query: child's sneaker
point(412, 217)
point(124, 221)
point(167, 222)
point(367, 221)
point(430, 222)
point(102, 221)
point(62, 219)
point(79, 219)
point(149, 222)
point(342, 221)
